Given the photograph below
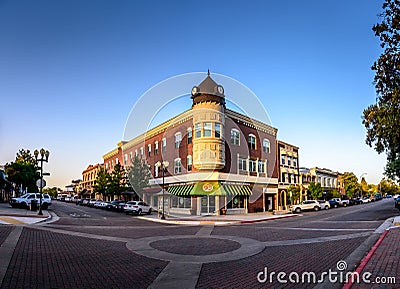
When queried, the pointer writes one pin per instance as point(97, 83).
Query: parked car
point(25, 200)
point(137, 207)
point(342, 202)
point(120, 206)
point(388, 196)
point(377, 197)
point(366, 200)
point(91, 202)
point(306, 205)
point(85, 202)
point(324, 204)
point(112, 206)
point(397, 203)
point(333, 203)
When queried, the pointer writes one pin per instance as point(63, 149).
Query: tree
point(315, 190)
point(388, 187)
point(23, 171)
point(102, 183)
point(350, 183)
point(138, 175)
point(118, 181)
point(51, 191)
point(382, 118)
point(294, 193)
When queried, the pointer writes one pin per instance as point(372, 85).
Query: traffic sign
point(40, 183)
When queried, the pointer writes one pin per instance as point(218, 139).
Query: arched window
point(235, 137)
point(252, 141)
point(156, 147)
point(177, 166)
point(266, 146)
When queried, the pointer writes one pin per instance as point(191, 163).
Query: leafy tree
point(118, 181)
point(51, 191)
point(350, 183)
point(388, 187)
point(294, 193)
point(315, 190)
point(102, 183)
point(23, 171)
point(138, 175)
point(382, 118)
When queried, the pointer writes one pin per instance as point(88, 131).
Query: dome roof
point(208, 90)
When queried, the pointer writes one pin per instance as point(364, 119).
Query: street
point(92, 248)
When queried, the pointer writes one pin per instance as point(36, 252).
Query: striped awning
point(210, 189)
point(181, 191)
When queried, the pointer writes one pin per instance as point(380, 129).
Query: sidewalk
point(382, 262)
point(16, 216)
point(216, 220)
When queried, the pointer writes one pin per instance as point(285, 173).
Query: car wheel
point(139, 212)
point(326, 207)
point(344, 205)
point(335, 206)
point(297, 210)
point(316, 208)
point(149, 212)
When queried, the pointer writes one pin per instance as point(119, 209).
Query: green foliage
point(138, 175)
point(315, 190)
point(23, 171)
point(333, 194)
point(51, 191)
point(102, 183)
point(118, 182)
point(382, 118)
point(294, 193)
point(351, 185)
point(388, 187)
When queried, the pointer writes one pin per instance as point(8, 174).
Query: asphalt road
point(92, 248)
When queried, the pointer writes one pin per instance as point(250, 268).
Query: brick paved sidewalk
point(384, 263)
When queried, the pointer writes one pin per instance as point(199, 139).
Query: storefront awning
point(210, 189)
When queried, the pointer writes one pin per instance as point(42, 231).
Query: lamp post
point(363, 174)
point(164, 166)
point(44, 157)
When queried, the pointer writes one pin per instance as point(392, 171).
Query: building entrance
point(207, 204)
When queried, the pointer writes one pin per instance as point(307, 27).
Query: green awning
point(181, 191)
point(210, 189)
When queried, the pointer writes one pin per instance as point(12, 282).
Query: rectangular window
point(164, 145)
point(189, 163)
point(252, 166)
point(207, 129)
point(125, 159)
point(235, 139)
point(289, 161)
point(197, 128)
point(282, 160)
point(156, 148)
point(242, 164)
point(217, 132)
point(266, 148)
point(156, 168)
point(295, 162)
point(261, 167)
point(190, 136)
point(141, 152)
point(149, 149)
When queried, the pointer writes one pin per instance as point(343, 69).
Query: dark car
point(397, 203)
point(120, 206)
point(112, 206)
point(355, 201)
point(333, 203)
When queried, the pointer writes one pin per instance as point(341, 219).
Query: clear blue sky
point(70, 72)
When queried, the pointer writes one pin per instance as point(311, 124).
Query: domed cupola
point(208, 90)
point(209, 125)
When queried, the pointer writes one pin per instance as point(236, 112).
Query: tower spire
point(208, 72)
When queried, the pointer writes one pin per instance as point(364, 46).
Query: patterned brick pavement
point(196, 246)
point(4, 232)
point(299, 258)
point(45, 259)
point(384, 263)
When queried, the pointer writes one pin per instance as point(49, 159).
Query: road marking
point(7, 250)
point(8, 220)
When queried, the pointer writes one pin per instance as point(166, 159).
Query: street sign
point(46, 174)
point(40, 183)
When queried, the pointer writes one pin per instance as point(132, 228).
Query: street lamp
point(164, 166)
point(363, 174)
point(44, 157)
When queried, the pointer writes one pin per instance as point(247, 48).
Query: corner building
point(218, 158)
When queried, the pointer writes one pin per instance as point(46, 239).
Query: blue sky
point(71, 71)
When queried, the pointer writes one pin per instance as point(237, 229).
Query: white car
point(137, 207)
point(366, 200)
point(25, 200)
point(325, 205)
point(306, 205)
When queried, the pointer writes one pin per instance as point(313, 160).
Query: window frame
point(252, 145)
point(235, 137)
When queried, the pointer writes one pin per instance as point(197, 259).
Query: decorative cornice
point(250, 122)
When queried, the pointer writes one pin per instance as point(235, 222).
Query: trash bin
point(34, 205)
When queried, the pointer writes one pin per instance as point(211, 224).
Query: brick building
point(218, 158)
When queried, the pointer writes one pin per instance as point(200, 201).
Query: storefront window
point(237, 202)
